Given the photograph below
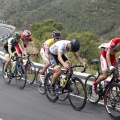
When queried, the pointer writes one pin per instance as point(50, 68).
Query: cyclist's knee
point(57, 70)
point(105, 77)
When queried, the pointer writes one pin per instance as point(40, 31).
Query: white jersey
point(59, 46)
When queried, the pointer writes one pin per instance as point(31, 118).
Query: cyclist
point(57, 55)
point(108, 60)
point(26, 38)
point(45, 51)
point(12, 44)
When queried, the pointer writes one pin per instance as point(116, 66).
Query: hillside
point(96, 16)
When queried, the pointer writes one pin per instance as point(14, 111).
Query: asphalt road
point(29, 104)
point(4, 31)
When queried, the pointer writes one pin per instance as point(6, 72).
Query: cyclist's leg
point(104, 75)
point(57, 70)
point(7, 56)
point(47, 63)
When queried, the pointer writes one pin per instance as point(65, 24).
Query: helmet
point(27, 33)
point(75, 45)
point(17, 35)
point(56, 34)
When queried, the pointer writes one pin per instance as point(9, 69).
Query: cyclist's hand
point(66, 66)
point(36, 55)
point(111, 68)
point(26, 55)
point(85, 65)
point(12, 56)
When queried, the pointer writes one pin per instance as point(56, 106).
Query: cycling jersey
point(14, 44)
point(26, 41)
point(114, 45)
point(45, 46)
point(53, 56)
point(59, 46)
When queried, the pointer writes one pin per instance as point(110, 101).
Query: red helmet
point(27, 33)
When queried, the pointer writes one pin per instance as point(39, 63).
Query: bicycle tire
point(20, 76)
point(7, 80)
point(77, 94)
point(112, 101)
point(30, 72)
point(40, 85)
point(94, 99)
point(52, 98)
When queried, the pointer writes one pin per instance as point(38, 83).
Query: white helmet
point(27, 33)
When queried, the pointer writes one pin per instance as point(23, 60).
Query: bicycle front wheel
point(20, 76)
point(48, 80)
point(7, 78)
point(94, 99)
point(31, 72)
point(112, 101)
point(77, 94)
point(39, 82)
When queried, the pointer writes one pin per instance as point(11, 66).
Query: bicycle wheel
point(50, 96)
point(7, 80)
point(20, 76)
point(31, 72)
point(40, 84)
point(77, 94)
point(94, 99)
point(112, 101)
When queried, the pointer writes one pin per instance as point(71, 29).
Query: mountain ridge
point(100, 17)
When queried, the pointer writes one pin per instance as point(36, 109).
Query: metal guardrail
point(81, 75)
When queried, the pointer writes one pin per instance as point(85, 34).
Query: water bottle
point(13, 65)
point(118, 65)
point(64, 82)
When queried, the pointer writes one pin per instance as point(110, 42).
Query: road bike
point(108, 91)
point(30, 69)
point(74, 89)
point(15, 70)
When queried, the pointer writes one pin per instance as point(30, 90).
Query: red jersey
point(26, 41)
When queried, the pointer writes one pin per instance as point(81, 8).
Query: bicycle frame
point(113, 79)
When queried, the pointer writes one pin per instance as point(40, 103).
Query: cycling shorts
point(54, 60)
point(104, 64)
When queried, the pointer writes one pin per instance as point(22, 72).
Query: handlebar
point(74, 66)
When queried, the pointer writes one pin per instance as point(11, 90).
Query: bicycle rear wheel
point(112, 101)
point(40, 84)
point(94, 99)
point(20, 76)
point(7, 79)
point(50, 96)
point(77, 94)
point(31, 72)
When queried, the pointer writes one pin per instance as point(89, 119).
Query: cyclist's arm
point(60, 58)
point(78, 58)
point(108, 57)
point(46, 53)
point(33, 46)
point(22, 49)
